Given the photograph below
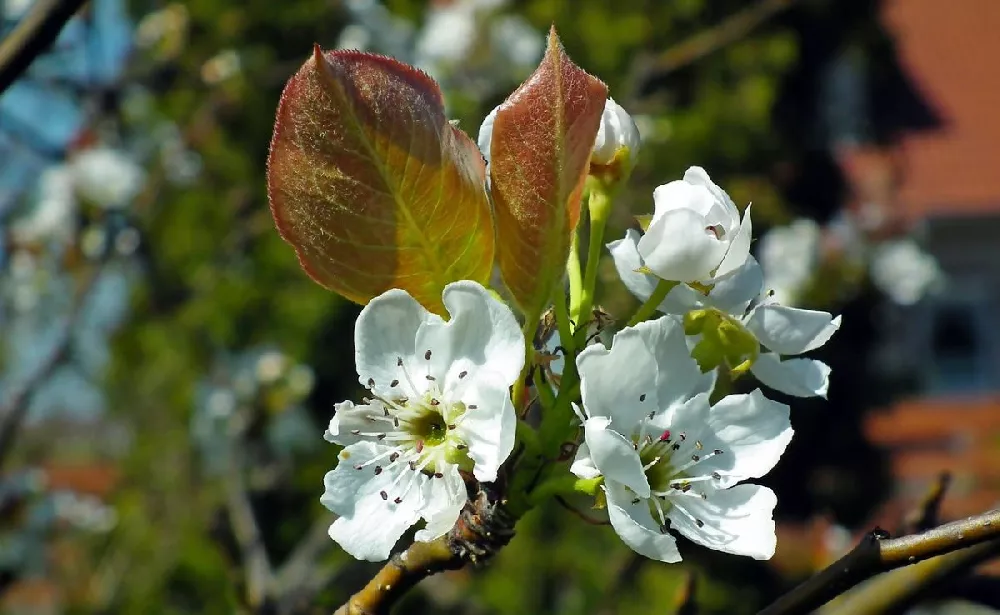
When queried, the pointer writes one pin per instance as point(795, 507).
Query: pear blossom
point(790, 255)
point(905, 272)
point(739, 299)
point(617, 130)
point(695, 234)
point(438, 406)
point(667, 458)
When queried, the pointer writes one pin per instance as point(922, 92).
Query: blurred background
point(167, 370)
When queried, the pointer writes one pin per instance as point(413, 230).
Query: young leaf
point(372, 185)
point(541, 145)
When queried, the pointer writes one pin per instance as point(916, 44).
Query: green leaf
point(540, 151)
point(372, 185)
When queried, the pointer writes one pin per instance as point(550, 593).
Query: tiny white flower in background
point(617, 130)
point(106, 176)
point(668, 459)
point(903, 271)
point(789, 256)
point(740, 295)
point(54, 212)
point(439, 404)
point(516, 40)
point(696, 234)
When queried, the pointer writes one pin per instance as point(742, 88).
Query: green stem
point(576, 289)
point(600, 205)
point(563, 322)
point(564, 484)
point(649, 308)
point(518, 394)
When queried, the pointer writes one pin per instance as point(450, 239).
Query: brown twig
point(926, 515)
point(32, 36)
point(875, 555)
point(481, 531)
point(706, 42)
point(13, 413)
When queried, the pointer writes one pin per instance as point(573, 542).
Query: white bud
point(617, 130)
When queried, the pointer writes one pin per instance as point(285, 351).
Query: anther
point(378, 470)
point(642, 397)
point(380, 437)
point(438, 475)
point(385, 496)
point(463, 374)
point(663, 528)
point(435, 402)
point(665, 436)
point(460, 447)
point(355, 432)
point(686, 488)
point(452, 426)
point(359, 467)
point(700, 522)
point(413, 465)
point(717, 451)
point(683, 436)
point(675, 446)
point(698, 445)
point(394, 383)
point(429, 377)
point(473, 406)
point(427, 355)
point(636, 500)
point(695, 458)
point(371, 382)
point(716, 476)
point(399, 361)
point(393, 457)
point(398, 500)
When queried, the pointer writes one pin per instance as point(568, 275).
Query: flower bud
point(616, 132)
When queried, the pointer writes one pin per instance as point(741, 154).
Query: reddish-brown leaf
point(543, 135)
point(371, 184)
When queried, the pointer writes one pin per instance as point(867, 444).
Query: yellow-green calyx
point(724, 340)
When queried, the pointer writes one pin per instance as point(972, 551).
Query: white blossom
point(903, 271)
point(739, 299)
point(617, 130)
point(790, 255)
point(106, 176)
point(439, 404)
point(668, 459)
point(696, 234)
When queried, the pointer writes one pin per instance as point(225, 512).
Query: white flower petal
point(636, 527)
point(614, 455)
point(445, 498)
point(752, 432)
point(348, 417)
point(625, 253)
point(481, 336)
point(739, 247)
point(734, 292)
point(736, 520)
point(786, 330)
point(697, 176)
point(798, 377)
point(583, 464)
point(679, 247)
point(619, 383)
point(385, 332)
point(677, 374)
point(617, 130)
point(369, 525)
point(488, 429)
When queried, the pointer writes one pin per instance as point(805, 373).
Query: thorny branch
point(876, 554)
point(32, 36)
point(13, 413)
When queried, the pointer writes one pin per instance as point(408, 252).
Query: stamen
point(427, 355)
point(397, 500)
point(385, 496)
point(698, 445)
point(462, 375)
point(651, 464)
point(378, 470)
point(371, 383)
point(642, 397)
point(665, 436)
point(394, 383)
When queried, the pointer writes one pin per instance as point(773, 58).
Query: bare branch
point(925, 516)
point(32, 36)
point(13, 413)
point(876, 554)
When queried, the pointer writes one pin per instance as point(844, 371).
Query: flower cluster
point(458, 376)
point(439, 414)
